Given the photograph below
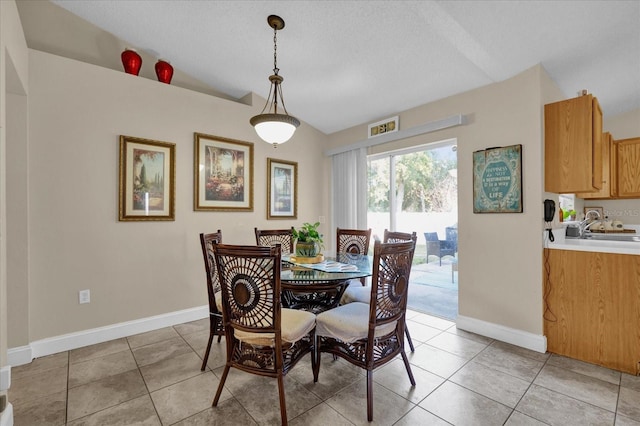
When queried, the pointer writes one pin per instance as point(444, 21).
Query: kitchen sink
point(612, 237)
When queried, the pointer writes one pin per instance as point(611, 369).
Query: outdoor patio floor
point(432, 289)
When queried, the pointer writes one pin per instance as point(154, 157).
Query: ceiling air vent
point(384, 126)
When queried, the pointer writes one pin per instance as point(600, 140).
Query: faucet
point(587, 222)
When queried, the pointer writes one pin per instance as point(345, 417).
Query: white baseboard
point(19, 356)
point(6, 417)
point(66, 342)
point(513, 336)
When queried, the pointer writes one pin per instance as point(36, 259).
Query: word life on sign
point(497, 180)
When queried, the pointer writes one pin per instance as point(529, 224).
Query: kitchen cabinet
point(628, 168)
point(573, 145)
point(592, 307)
point(609, 188)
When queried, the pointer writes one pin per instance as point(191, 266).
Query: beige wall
point(134, 270)
point(500, 254)
point(500, 257)
point(13, 80)
point(18, 229)
point(622, 126)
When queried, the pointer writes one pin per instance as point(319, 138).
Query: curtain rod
point(432, 126)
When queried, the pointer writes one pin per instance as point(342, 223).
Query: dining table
point(318, 287)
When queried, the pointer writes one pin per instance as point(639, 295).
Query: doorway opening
point(416, 189)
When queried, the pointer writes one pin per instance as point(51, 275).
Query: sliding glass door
point(417, 190)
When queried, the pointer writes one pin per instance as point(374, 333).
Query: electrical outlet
point(84, 296)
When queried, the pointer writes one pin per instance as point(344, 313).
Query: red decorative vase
point(164, 71)
point(131, 61)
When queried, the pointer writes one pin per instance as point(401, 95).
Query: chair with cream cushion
point(262, 338)
point(363, 294)
point(213, 290)
point(371, 335)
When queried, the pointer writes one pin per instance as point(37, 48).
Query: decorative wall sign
point(147, 179)
point(282, 189)
point(497, 180)
point(223, 174)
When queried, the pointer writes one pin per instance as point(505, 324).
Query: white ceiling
point(352, 62)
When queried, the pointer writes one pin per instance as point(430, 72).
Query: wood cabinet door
point(592, 305)
point(628, 159)
point(573, 160)
point(597, 142)
point(608, 169)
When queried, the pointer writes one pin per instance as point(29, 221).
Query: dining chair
point(363, 294)
point(355, 241)
point(213, 289)
point(371, 335)
point(270, 237)
point(261, 337)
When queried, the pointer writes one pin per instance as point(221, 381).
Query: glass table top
point(334, 268)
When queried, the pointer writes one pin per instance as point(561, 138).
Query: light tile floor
point(462, 379)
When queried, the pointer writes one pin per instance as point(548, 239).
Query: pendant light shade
point(274, 127)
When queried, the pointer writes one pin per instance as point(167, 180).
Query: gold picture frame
point(147, 175)
point(223, 174)
point(282, 189)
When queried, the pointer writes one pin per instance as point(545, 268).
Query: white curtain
point(349, 189)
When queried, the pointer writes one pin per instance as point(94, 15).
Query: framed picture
point(223, 174)
point(282, 189)
point(600, 210)
point(497, 180)
point(147, 179)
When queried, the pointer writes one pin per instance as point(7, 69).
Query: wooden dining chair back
point(371, 335)
point(213, 290)
point(354, 241)
point(271, 237)
point(261, 337)
point(396, 237)
point(357, 294)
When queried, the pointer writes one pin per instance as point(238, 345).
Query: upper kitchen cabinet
point(628, 167)
point(609, 188)
point(573, 145)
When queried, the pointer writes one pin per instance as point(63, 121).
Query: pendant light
point(272, 126)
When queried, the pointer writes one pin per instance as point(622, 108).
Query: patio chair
point(451, 234)
point(262, 338)
point(271, 237)
point(440, 248)
point(371, 335)
point(213, 290)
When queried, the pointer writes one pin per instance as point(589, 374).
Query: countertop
point(620, 247)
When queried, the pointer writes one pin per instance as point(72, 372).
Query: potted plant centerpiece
point(308, 241)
